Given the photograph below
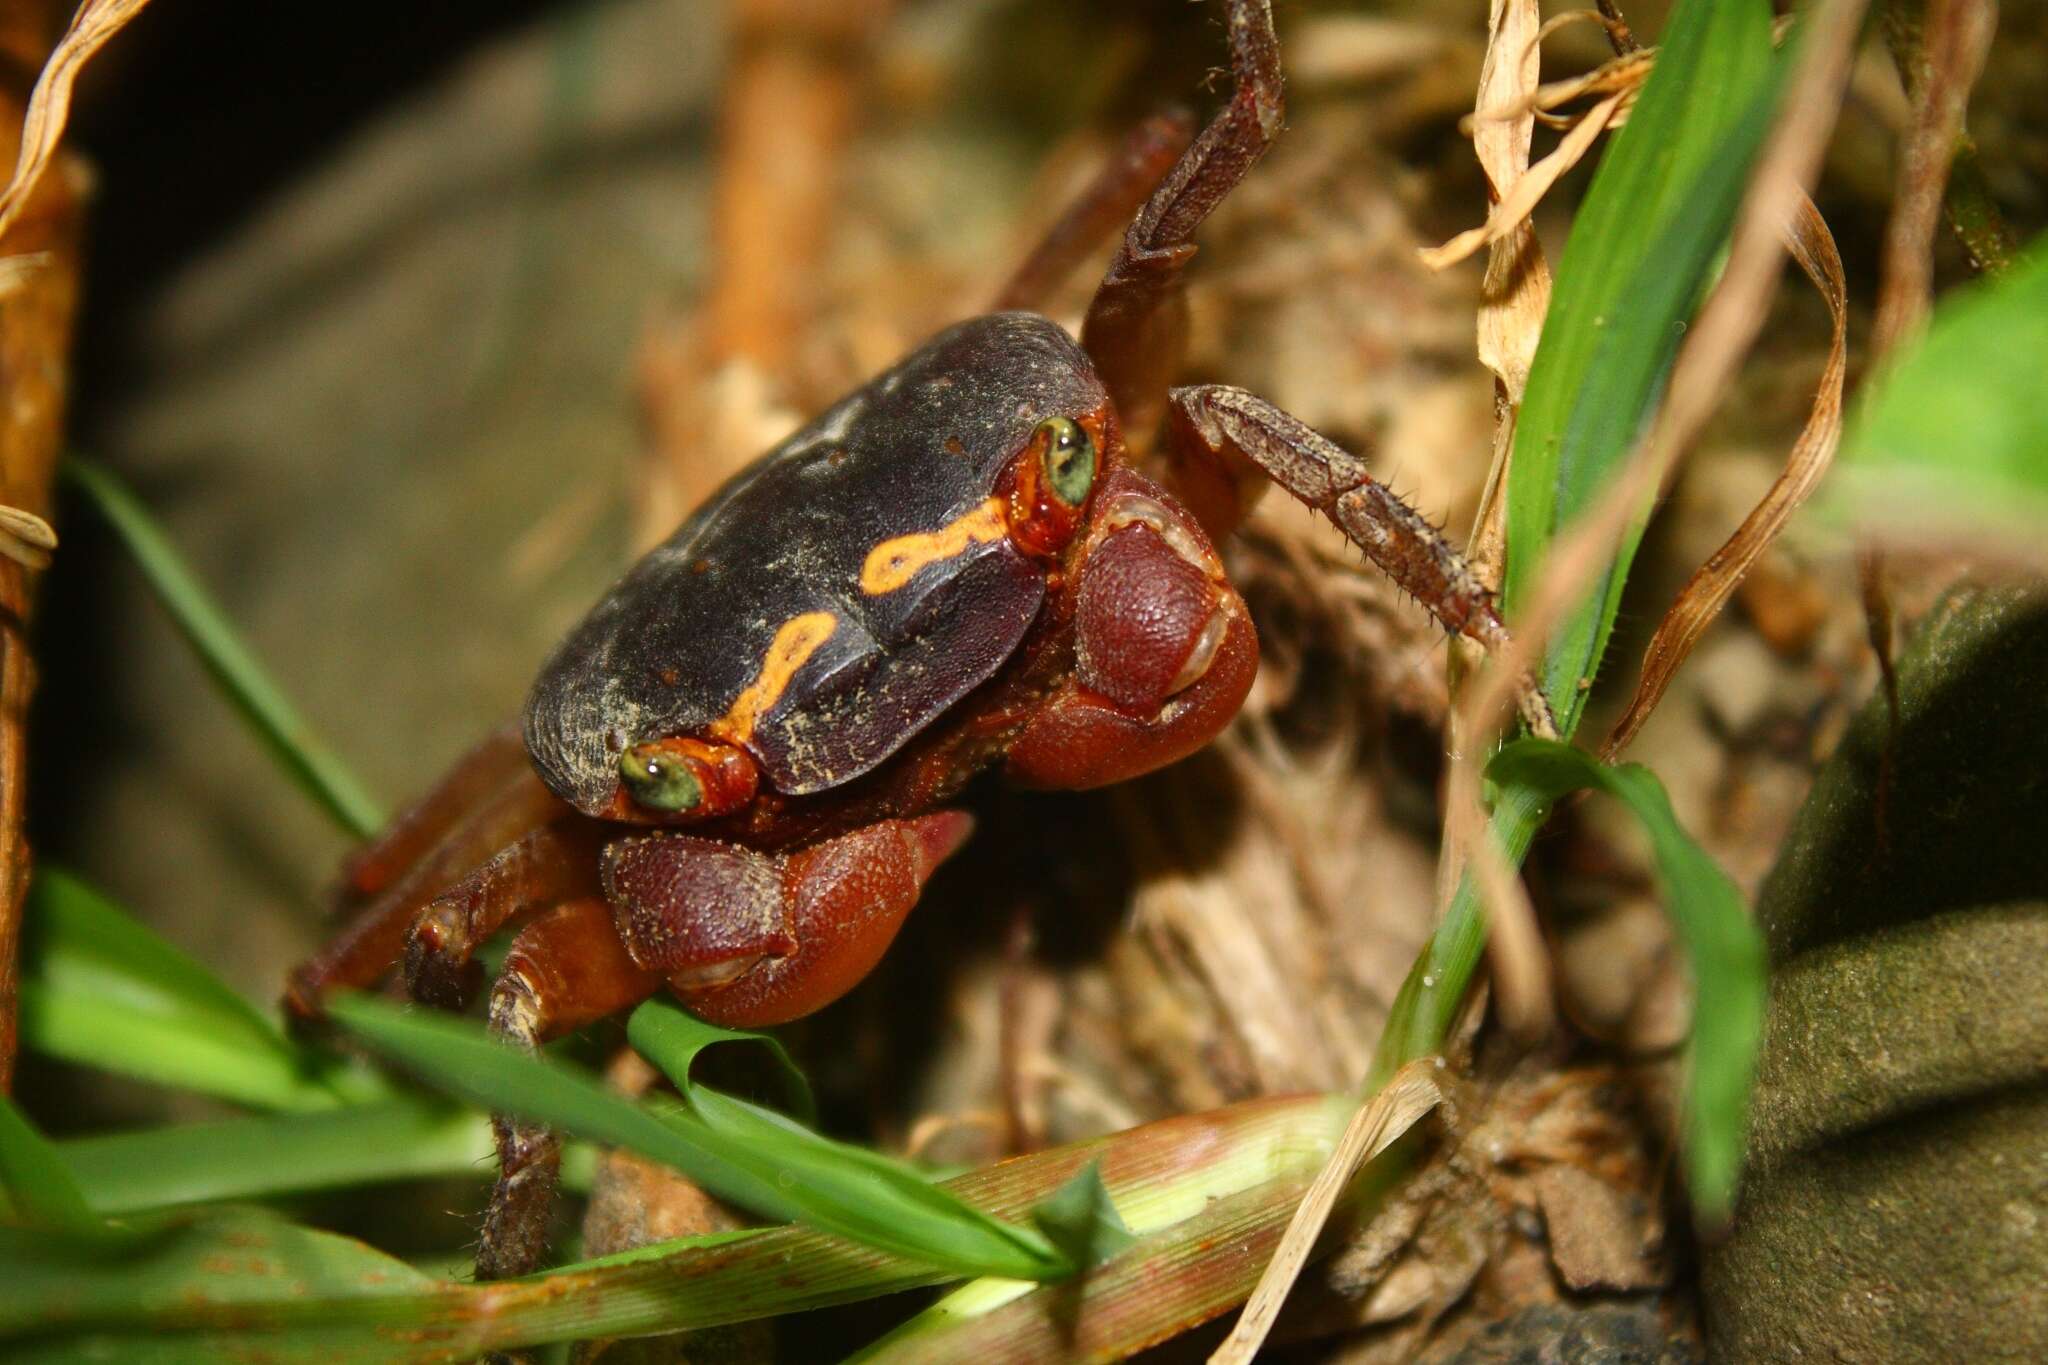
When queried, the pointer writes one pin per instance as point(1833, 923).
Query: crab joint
point(683, 778)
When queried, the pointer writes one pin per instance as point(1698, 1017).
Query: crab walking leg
point(375, 937)
point(1118, 190)
point(499, 759)
point(553, 864)
point(1225, 438)
point(565, 970)
point(1136, 326)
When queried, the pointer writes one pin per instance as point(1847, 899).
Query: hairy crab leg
point(374, 939)
point(565, 970)
point(1136, 326)
point(1228, 443)
point(1118, 190)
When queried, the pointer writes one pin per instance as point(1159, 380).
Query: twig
point(44, 216)
point(1515, 296)
point(1973, 212)
point(712, 385)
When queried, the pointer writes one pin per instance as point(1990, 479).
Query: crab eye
point(1068, 459)
point(659, 780)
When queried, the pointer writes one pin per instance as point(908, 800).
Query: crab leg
point(549, 866)
point(566, 969)
point(1228, 442)
point(1136, 326)
point(497, 760)
point(1117, 191)
point(375, 937)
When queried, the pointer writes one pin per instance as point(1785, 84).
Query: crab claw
point(1164, 650)
point(746, 938)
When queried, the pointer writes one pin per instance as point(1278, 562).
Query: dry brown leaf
point(1516, 291)
point(1398, 1106)
point(25, 537)
point(1710, 587)
point(1623, 75)
point(49, 108)
point(1521, 201)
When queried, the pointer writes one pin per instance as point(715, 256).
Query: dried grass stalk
point(1398, 1106)
point(49, 108)
point(1711, 585)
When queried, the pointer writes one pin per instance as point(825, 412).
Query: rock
point(1896, 1205)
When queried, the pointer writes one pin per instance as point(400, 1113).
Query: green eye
point(657, 780)
point(1069, 460)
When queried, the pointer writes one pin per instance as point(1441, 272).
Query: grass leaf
point(185, 1271)
point(1656, 215)
point(671, 1037)
point(101, 989)
point(1080, 1219)
point(1954, 430)
point(38, 1188)
point(754, 1159)
point(242, 1284)
point(316, 768)
point(1726, 952)
point(274, 1155)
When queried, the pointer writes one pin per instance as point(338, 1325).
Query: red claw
point(1164, 650)
point(747, 939)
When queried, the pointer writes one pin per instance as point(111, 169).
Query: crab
point(733, 779)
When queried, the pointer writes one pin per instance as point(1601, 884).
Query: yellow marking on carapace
point(795, 641)
point(896, 561)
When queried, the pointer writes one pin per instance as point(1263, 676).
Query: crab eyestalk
point(663, 781)
point(1051, 482)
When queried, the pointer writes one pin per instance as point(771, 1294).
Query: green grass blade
point(101, 989)
point(1954, 432)
point(243, 1284)
point(316, 768)
point(671, 1037)
point(1081, 1219)
point(898, 1196)
point(755, 1160)
point(1656, 215)
point(1639, 253)
point(1726, 952)
point(36, 1186)
point(271, 1156)
point(188, 1270)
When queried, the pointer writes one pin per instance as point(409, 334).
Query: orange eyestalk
point(669, 781)
point(1050, 482)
